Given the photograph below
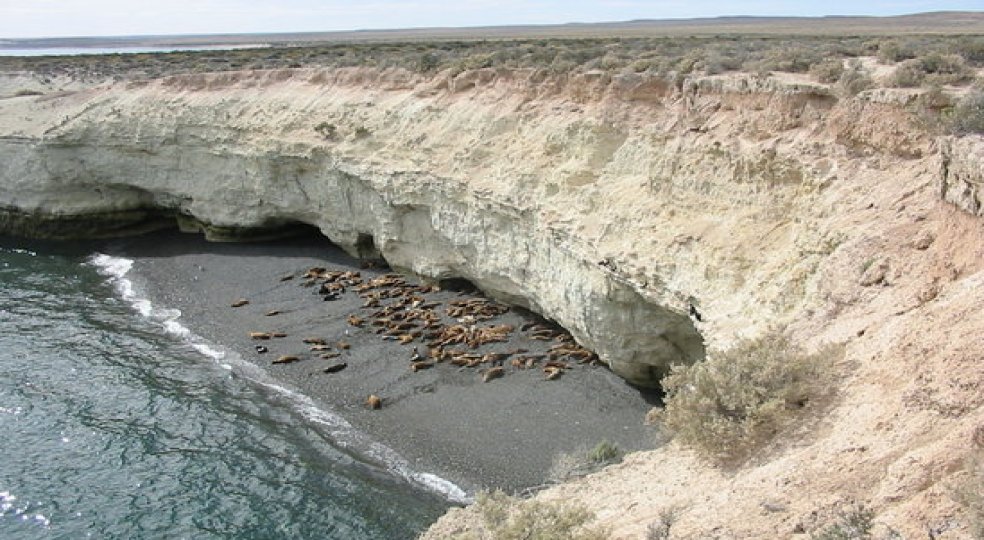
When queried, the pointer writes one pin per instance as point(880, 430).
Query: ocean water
point(118, 422)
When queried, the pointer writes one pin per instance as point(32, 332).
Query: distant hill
point(941, 22)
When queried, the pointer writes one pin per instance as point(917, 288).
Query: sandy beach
point(501, 434)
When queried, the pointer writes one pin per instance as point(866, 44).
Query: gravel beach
point(501, 434)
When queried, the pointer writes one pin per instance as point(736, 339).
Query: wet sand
point(444, 420)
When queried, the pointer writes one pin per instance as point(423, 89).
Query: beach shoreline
point(444, 421)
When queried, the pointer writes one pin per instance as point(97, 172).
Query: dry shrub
point(509, 518)
point(852, 523)
point(968, 114)
point(584, 462)
point(828, 71)
point(855, 79)
point(737, 400)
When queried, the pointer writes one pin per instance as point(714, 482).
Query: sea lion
point(240, 303)
point(374, 401)
point(272, 312)
point(321, 347)
point(314, 341)
point(405, 338)
point(329, 355)
point(492, 373)
point(335, 368)
point(287, 277)
point(259, 335)
point(286, 359)
point(356, 321)
point(344, 345)
point(552, 373)
point(278, 334)
point(417, 366)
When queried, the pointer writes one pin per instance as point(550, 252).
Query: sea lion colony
point(460, 335)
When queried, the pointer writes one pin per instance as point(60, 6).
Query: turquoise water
point(115, 428)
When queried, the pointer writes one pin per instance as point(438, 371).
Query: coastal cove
point(427, 270)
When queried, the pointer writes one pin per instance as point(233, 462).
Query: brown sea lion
point(356, 321)
point(314, 341)
point(259, 335)
point(321, 347)
point(329, 355)
point(374, 401)
point(552, 373)
point(492, 373)
point(423, 364)
point(278, 334)
point(286, 359)
point(240, 303)
point(343, 345)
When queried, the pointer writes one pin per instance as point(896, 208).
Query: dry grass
point(737, 400)
point(583, 462)
point(509, 518)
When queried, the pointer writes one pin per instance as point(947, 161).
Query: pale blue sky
point(37, 18)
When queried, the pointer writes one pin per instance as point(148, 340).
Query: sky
point(53, 18)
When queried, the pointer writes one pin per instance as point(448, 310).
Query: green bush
point(737, 400)
point(853, 523)
point(509, 518)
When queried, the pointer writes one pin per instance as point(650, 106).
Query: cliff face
point(611, 205)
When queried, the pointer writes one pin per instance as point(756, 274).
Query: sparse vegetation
point(584, 462)
point(853, 523)
point(737, 400)
point(967, 116)
point(327, 130)
point(933, 68)
point(28, 92)
point(509, 518)
point(667, 57)
point(854, 79)
point(661, 528)
point(828, 71)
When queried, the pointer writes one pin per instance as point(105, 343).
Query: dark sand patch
point(445, 420)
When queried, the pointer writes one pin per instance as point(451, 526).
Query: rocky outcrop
point(962, 174)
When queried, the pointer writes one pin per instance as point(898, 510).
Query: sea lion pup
point(552, 373)
point(374, 401)
point(415, 356)
point(240, 303)
point(260, 349)
point(335, 368)
point(260, 335)
point(272, 312)
point(286, 359)
point(314, 341)
point(287, 277)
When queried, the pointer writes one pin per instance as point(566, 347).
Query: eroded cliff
point(613, 205)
